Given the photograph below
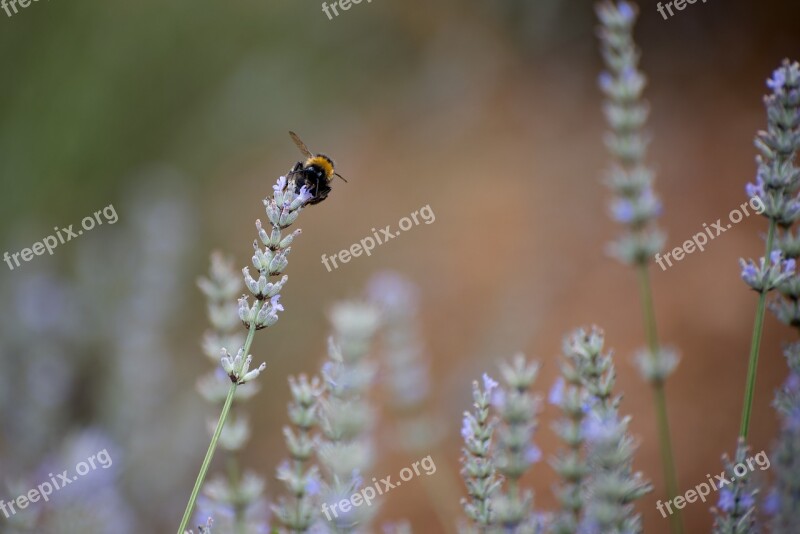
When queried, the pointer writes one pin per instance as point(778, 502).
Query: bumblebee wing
point(301, 145)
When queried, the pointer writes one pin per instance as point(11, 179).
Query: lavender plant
point(515, 452)
point(345, 415)
point(569, 395)
point(612, 486)
point(498, 451)
point(402, 356)
point(478, 469)
point(735, 512)
point(298, 513)
point(783, 500)
point(235, 500)
point(776, 186)
point(282, 210)
point(636, 205)
point(416, 428)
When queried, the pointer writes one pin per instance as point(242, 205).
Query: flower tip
point(488, 383)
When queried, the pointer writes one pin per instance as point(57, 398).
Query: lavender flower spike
point(776, 187)
point(612, 486)
point(478, 470)
point(635, 204)
point(783, 501)
point(282, 209)
point(515, 452)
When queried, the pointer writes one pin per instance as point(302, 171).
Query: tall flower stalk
point(735, 512)
point(776, 186)
point(416, 427)
point(299, 474)
point(234, 499)
point(612, 486)
point(478, 470)
point(636, 205)
point(569, 395)
point(783, 501)
point(499, 450)
point(282, 209)
point(346, 417)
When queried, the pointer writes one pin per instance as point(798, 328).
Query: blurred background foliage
point(177, 113)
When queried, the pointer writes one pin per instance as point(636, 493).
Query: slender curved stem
point(212, 447)
point(660, 398)
point(755, 347)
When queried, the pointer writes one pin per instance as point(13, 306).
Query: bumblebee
point(316, 172)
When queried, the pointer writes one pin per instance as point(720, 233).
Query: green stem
point(212, 447)
point(207, 460)
point(755, 346)
point(660, 398)
point(239, 507)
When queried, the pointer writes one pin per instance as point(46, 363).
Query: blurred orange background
point(487, 112)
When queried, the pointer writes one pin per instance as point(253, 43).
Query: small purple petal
point(498, 399)
point(488, 383)
point(772, 503)
point(726, 500)
point(466, 428)
point(305, 195)
point(556, 395)
point(622, 211)
point(626, 11)
point(533, 454)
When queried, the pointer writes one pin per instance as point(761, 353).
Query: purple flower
point(280, 185)
point(726, 500)
point(606, 81)
point(305, 195)
point(312, 486)
point(772, 503)
point(750, 273)
point(275, 303)
point(466, 427)
point(747, 500)
point(533, 454)
point(778, 80)
point(600, 428)
point(623, 211)
point(754, 190)
point(793, 382)
point(627, 12)
point(498, 399)
point(556, 395)
point(488, 383)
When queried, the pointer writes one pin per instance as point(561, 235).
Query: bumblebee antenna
point(340, 176)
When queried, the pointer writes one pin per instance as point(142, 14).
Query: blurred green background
point(176, 113)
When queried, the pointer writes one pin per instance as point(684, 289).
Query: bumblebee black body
point(315, 175)
point(316, 172)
